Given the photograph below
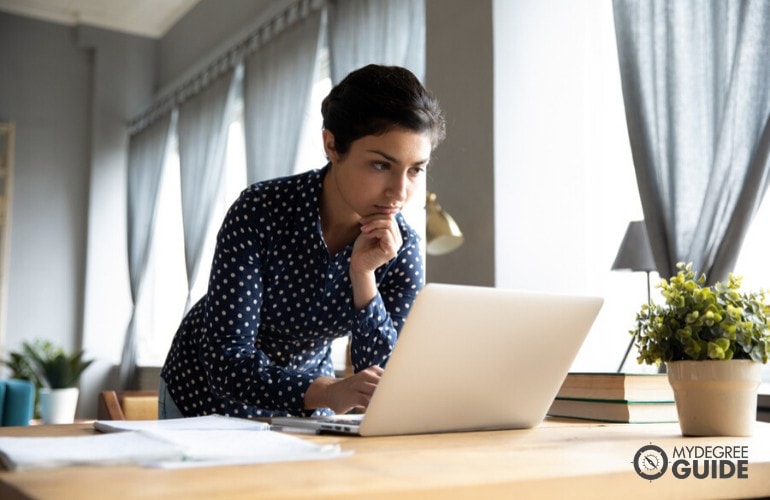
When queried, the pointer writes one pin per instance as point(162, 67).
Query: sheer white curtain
point(365, 32)
point(202, 130)
point(146, 156)
point(695, 84)
point(277, 85)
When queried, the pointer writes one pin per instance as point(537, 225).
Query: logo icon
point(650, 462)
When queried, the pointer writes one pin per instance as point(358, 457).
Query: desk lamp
point(635, 254)
point(443, 233)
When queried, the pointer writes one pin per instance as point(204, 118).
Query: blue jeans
point(166, 406)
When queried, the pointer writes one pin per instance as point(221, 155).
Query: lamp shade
point(635, 253)
point(443, 233)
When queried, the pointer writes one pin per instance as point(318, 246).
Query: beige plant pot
point(715, 397)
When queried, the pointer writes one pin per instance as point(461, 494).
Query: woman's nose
point(397, 187)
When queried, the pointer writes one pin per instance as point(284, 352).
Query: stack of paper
point(210, 448)
point(18, 453)
point(206, 423)
point(190, 442)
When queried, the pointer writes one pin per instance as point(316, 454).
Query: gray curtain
point(696, 86)
point(277, 85)
point(202, 134)
point(146, 157)
point(365, 32)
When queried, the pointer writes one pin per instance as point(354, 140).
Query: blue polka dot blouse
point(275, 302)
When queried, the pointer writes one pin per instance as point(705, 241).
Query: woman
point(305, 259)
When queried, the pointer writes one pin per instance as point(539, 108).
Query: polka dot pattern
point(276, 300)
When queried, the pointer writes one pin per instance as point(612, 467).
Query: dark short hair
point(376, 99)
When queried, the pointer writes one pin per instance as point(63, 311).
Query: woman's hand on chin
point(379, 242)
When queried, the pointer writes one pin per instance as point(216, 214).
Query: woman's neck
point(339, 225)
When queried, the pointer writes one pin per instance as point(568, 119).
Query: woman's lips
point(387, 210)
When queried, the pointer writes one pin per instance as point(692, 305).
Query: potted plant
point(56, 374)
point(714, 340)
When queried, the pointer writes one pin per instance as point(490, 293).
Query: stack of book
point(616, 397)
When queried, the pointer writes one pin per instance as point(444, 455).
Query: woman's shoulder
point(287, 185)
point(280, 192)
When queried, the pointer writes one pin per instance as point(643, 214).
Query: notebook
point(471, 358)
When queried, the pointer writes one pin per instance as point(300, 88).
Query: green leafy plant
point(47, 365)
point(699, 322)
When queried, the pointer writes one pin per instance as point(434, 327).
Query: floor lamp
point(635, 254)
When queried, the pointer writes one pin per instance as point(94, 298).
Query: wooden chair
point(128, 405)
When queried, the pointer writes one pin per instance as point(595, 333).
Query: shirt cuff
point(371, 317)
point(302, 383)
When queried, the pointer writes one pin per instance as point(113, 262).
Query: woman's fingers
point(382, 226)
point(355, 391)
point(379, 242)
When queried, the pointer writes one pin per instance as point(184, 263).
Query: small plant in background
point(699, 322)
point(57, 369)
point(47, 365)
point(19, 362)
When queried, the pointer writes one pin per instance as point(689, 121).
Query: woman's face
point(379, 173)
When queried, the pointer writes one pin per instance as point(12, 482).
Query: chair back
point(17, 401)
point(128, 405)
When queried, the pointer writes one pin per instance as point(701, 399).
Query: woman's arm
point(235, 368)
point(379, 321)
point(374, 332)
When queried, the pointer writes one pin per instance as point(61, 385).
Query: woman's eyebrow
point(394, 159)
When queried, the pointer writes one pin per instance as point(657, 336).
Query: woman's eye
point(416, 171)
point(380, 166)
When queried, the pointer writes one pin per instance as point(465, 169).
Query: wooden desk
point(559, 459)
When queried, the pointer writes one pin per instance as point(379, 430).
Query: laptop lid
point(476, 358)
point(473, 358)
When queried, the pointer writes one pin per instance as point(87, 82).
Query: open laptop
point(471, 358)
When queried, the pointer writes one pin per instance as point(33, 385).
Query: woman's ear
point(329, 149)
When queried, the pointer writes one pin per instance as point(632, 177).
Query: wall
point(540, 155)
point(45, 87)
point(69, 90)
point(122, 81)
point(459, 71)
point(536, 168)
point(564, 180)
point(206, 29)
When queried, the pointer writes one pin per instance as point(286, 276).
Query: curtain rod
point(227, 59)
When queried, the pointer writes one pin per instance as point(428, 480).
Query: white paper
point(208, 423)
point(19, 453)
point(191, 442)
point(228, 447)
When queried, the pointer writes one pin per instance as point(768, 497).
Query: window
point(162, 304)
point(752, 262)
point(233, 182)
point(311, 152)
